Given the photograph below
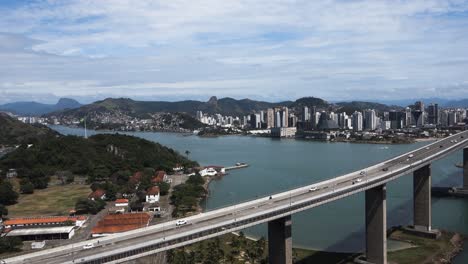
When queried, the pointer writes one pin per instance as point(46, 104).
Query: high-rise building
point(396, 119)
point(433, 114)
point(270, 119)
point(255, 121)
point(199, 115)
point(408, 117)
point(305, 114)
point(281, 116)
point(444, 118)
point(357, 121)
point(343, 120)
point(419, 106)
point(418, 118)
point(370, 119)
point(452, 118)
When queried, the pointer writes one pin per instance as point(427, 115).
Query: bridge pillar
point(422, 198)
point(280, 241)
point(376, 225)
point(465, 168)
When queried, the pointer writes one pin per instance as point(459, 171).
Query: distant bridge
point(276, 211)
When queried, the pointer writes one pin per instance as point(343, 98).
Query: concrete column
point(376, 225)
point(465, 168)
point(422, 198)
point(280, 241)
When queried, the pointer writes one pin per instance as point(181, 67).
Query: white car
point(88, 246)
point(410, 156)
point(313, 189)
point(181, 222)
point(358, 180)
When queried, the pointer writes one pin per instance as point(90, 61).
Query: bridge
point(276, 210)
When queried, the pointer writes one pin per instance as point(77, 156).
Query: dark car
point(385, 169)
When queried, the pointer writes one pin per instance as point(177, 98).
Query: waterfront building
point(270, 118)
point(305, 114)
point(283, 131)
point(281, 116)
point(370, 119)
point(357, 121)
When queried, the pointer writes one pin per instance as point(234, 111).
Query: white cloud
point(348, 49)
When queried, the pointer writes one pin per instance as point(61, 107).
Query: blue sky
point(263, 49)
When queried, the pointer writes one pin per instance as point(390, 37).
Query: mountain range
point(224, 106)
point(38, 109)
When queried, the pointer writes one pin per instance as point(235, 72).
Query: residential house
point(152, 195)
point(121, 202)
point(97, 194)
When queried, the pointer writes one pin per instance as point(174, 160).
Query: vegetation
point(8, 196)
point(425, 250)
point(99, 157)
point(14, 132)
point(351, 107)
point(185, 197)
point(3, 211)
point(225, 249)
point(10, 244)
point(86, 206)
point(50, 201)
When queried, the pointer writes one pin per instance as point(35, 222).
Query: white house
point(178, 167)
point(208, 172)
point(212, 171)
point(121, 202)
point(152, 195)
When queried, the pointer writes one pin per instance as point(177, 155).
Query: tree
point(100, 173)
point(8, 196)
point(260, 248)
point(196, 179)
point(10, 244)
point(3, 211)
point(187, 153)
point(85, 206)
point(164, 188)
point(26, 187)
point(40, 182)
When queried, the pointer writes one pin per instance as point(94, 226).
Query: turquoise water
point(278, 165)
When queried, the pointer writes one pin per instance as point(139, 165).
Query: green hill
point(224, 106)
point(14, 132)
point(98, 157)
point(351, 107)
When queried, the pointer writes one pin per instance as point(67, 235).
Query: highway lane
point(67, 254)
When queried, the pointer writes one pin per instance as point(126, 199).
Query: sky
point(261, 49)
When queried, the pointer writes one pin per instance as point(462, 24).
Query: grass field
point(55, 200)
point(426, 250)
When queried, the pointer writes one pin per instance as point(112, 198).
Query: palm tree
point(187, 152)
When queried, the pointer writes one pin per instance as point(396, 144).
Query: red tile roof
point(153, 190)
point(158, 177)
point(121, 223)
point(97, 194)
point(42, 220)
point(136, 178)
point(121, 201)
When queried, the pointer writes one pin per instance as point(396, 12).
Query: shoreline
point(190, 133)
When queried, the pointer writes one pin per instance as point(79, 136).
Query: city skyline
point(160, 51)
